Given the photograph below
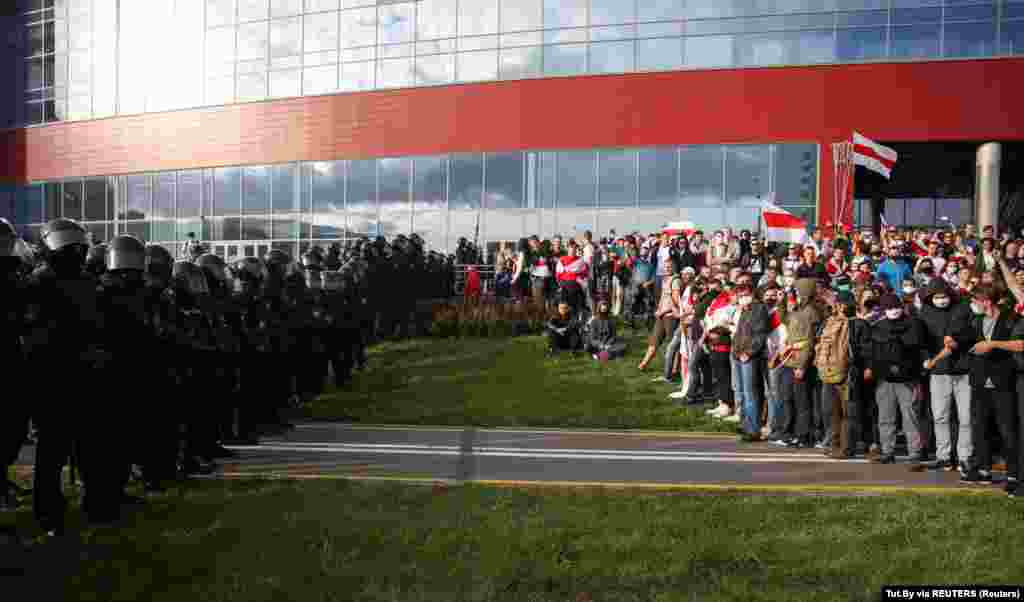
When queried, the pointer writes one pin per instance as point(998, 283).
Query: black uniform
point(15, 418)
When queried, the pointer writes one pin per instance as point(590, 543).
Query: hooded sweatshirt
point(802, 325)
point(952, 321)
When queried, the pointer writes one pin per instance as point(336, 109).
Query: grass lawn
point(335, 540)
point(507, 382)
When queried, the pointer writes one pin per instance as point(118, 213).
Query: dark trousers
point(797, 399)
point(985, 404)
point(573, 293)
point(837, 396)
point(53, 450)
point(721, 369)
point(570, 341)
point(13, 428)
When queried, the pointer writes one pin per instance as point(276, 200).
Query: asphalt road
point(501, 456)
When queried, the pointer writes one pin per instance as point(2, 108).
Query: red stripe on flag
point(867, 151)
point(775, 321)
point(782, 220)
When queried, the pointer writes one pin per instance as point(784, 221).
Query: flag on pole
point(676, 228)
point(783, 226)
point(874, 156)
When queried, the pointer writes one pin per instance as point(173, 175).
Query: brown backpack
point(832, 353)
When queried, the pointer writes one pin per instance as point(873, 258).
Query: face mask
point(894, 314)
point(909, 290)
point(745, 301)
point(941, 302)
point(977, 308)
point(789, 280)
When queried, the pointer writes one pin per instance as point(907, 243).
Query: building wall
point(920, 101)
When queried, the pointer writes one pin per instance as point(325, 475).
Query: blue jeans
point(747, 395)
point(776, 405)
point(672, 351)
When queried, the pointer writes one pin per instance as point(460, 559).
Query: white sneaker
point(765, 431)
point(721, 411)
point(677, 395)
point(733, 418)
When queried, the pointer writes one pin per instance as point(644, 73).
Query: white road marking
point(551, 454)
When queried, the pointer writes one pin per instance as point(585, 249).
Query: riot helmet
point(126, 253)
point(312, 261)
point(189, 279)
point(68, 243)
point(249, 273)
point(96, 259)
point(159, 265)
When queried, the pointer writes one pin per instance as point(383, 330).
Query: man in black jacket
point(13, 305)
point(899, 347)
point(992, 371)
point(950, 336)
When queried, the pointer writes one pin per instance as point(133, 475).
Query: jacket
point(802, 326)
point(600, 332)
point(893, 272)
point(751, 331)
point(995, 370)
point(898, 349)
point(953, 321)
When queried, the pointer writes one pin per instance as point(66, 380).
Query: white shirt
point(663, 254)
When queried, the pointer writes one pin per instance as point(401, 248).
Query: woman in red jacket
point(572, 275)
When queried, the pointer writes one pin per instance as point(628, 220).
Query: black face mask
point(928, 271)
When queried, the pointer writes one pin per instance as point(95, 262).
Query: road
point(519, 457)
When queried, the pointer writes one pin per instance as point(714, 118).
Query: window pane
point(256, 191)
point(700, 184)
point(479, 17)
point(286, 8)
point(914, 16)
point(576, 186)
point(220, 51)
point(361, 196)
point(918, 41)
point(252, 87)
point(466, 181)
point(137, 201)
point(477, 66)
point(435, 69)
point(394, 73)
point(163, 196)
point(748, 181)
point(566, 59)
point(1013, 37)
point(111, 183)
point(519, 63)
point(659, 54)
point(860, 44)
point(358, 27)
point(285, 188)
point(320, 80)
point(611, 57)
point(396, 23)
point(612, 32)
point(35, 39)
point(139, 230)
point(985, 11)
point(285, 227)
point(220, 12)
point(72, 200)
point(660, 10)
point(252, 10)
point(959, 211)
point(520, 15)
point(436, 19)
point(227, 189)
point(760, 49)
point(796, 174)
point(610, 12)
point(321, 32)
point(252, 41)
point(328, 187)
point(708, 51)
point(394, 184)
point(286, 37)
point(861, 18)
point(504, 181)
point(565, 36)
point(35, 74)
point(430, 183)
point(893, 212)
point(970, 39)
point(616, 178)
point(256, 228)
point(919, 212)
point(96, 199)
point(357, 76)
point(285, 83)
point(565, 13)
point(658, 177)
point(190, 193)
point(314, 6)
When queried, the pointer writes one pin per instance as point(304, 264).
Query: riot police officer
point(217, 309)
point(13, 306)
point(66, 325)
point(249, 276)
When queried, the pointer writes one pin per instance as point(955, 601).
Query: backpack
point(832, 353)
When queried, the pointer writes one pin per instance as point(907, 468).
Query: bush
point(488, 320)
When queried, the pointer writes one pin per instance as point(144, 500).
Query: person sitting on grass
point(601, 341)
point(565, 333)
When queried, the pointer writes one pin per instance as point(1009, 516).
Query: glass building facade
point(492, 196)
point(88, 59)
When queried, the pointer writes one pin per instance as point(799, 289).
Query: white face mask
point(977, 308)
point(789, 280)
point(746, 300)
point(941, 302)
point(894, 314)
point(909, 290)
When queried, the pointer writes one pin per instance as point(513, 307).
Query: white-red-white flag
point(676, 228)
point(874, 156)
point(783, 226)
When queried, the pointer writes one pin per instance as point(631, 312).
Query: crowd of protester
point(139, 366)
point(854, 343)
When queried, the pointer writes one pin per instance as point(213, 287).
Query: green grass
point(335, 540)
point(507, 382)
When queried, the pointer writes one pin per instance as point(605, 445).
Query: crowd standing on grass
point(853, 343)
point(192, 354)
